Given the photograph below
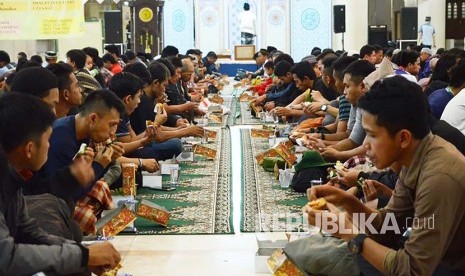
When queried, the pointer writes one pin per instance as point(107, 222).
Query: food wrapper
point(287, 144)
point(256, 108)
point(269, 127)
point(211, 134)
point(153, 212)
point(204, 151)
point(286, 154)
point(112, 272)
point(115, 221)
point(216, 118)
point(280, 265)
point(245, 97)
point(217, 99)
point(149, 123)
point(260, 133)
point(268, 153)
point(129, 179)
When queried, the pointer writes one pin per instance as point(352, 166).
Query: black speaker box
point(113, 21)
point(377, 34)
point(409, 23)
point(339, 16)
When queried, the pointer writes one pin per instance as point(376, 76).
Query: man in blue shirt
point(209, 62)
point(426, 34)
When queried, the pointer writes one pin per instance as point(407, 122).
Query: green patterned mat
point(202, 202)
point(243, 115)
point(265, 205)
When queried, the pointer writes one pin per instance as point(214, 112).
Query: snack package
point(286, 154)
point(257, 108)
point(204, 151)
point(211, 134)
point(129, 179)
point(260, 133)
point(245, 97)
point(153, 212)
point(216, 118)
point(217, 99)
point(268, 153)
point(280, 265)
point(115, 221)
point(112, 272)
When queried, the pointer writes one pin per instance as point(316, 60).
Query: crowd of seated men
point(400, 111)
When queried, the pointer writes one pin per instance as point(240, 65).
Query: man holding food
point(430, 188)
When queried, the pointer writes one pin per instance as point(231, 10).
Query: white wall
point(356, 25)
point(91, 38)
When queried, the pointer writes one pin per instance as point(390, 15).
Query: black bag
point(302, 179)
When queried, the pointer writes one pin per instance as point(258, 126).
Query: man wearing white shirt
point(247, 25)
point(455, 112)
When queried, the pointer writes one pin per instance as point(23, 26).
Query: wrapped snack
point(339, 166)
point(257, 108)
point(153, 212)
point(108, 142)
point(82, 149)
point(286, 154)
point(332, 173)
point(280, 265)
point(159, 108)
point(261, 133)
point(318, 204)
point(112, 272)
point(216, 118)
point(268, 153)
point(115, 221)
point(211, 134)
point(360, 185)
point(217, 99)
point(204, 151)
point(308, 97)
point(129, 179)
point(148, 123)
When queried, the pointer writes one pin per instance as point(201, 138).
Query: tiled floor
point(195, 254)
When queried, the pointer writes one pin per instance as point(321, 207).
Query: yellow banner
point(40, 19)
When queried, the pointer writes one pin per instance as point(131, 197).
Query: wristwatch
point(324, 107)
point(355, 245)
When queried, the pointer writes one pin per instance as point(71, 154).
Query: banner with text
point(40, 19)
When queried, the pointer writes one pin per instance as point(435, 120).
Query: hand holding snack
point(150, 165)
point(318, 204)
point(149, 133)
point(103, 255)
point(348, 177)
point(103, 156)
point(195, 131)
point(161, 116)
point(118, 150)
point(372, 189)
point(333, 214)
point(329, 193)
point(85, 152)
point(182, 123)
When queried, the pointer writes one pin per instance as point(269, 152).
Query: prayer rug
point(244, 116)
point(202, 202)
point(265, 205)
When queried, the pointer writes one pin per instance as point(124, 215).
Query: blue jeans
point(159, 151)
